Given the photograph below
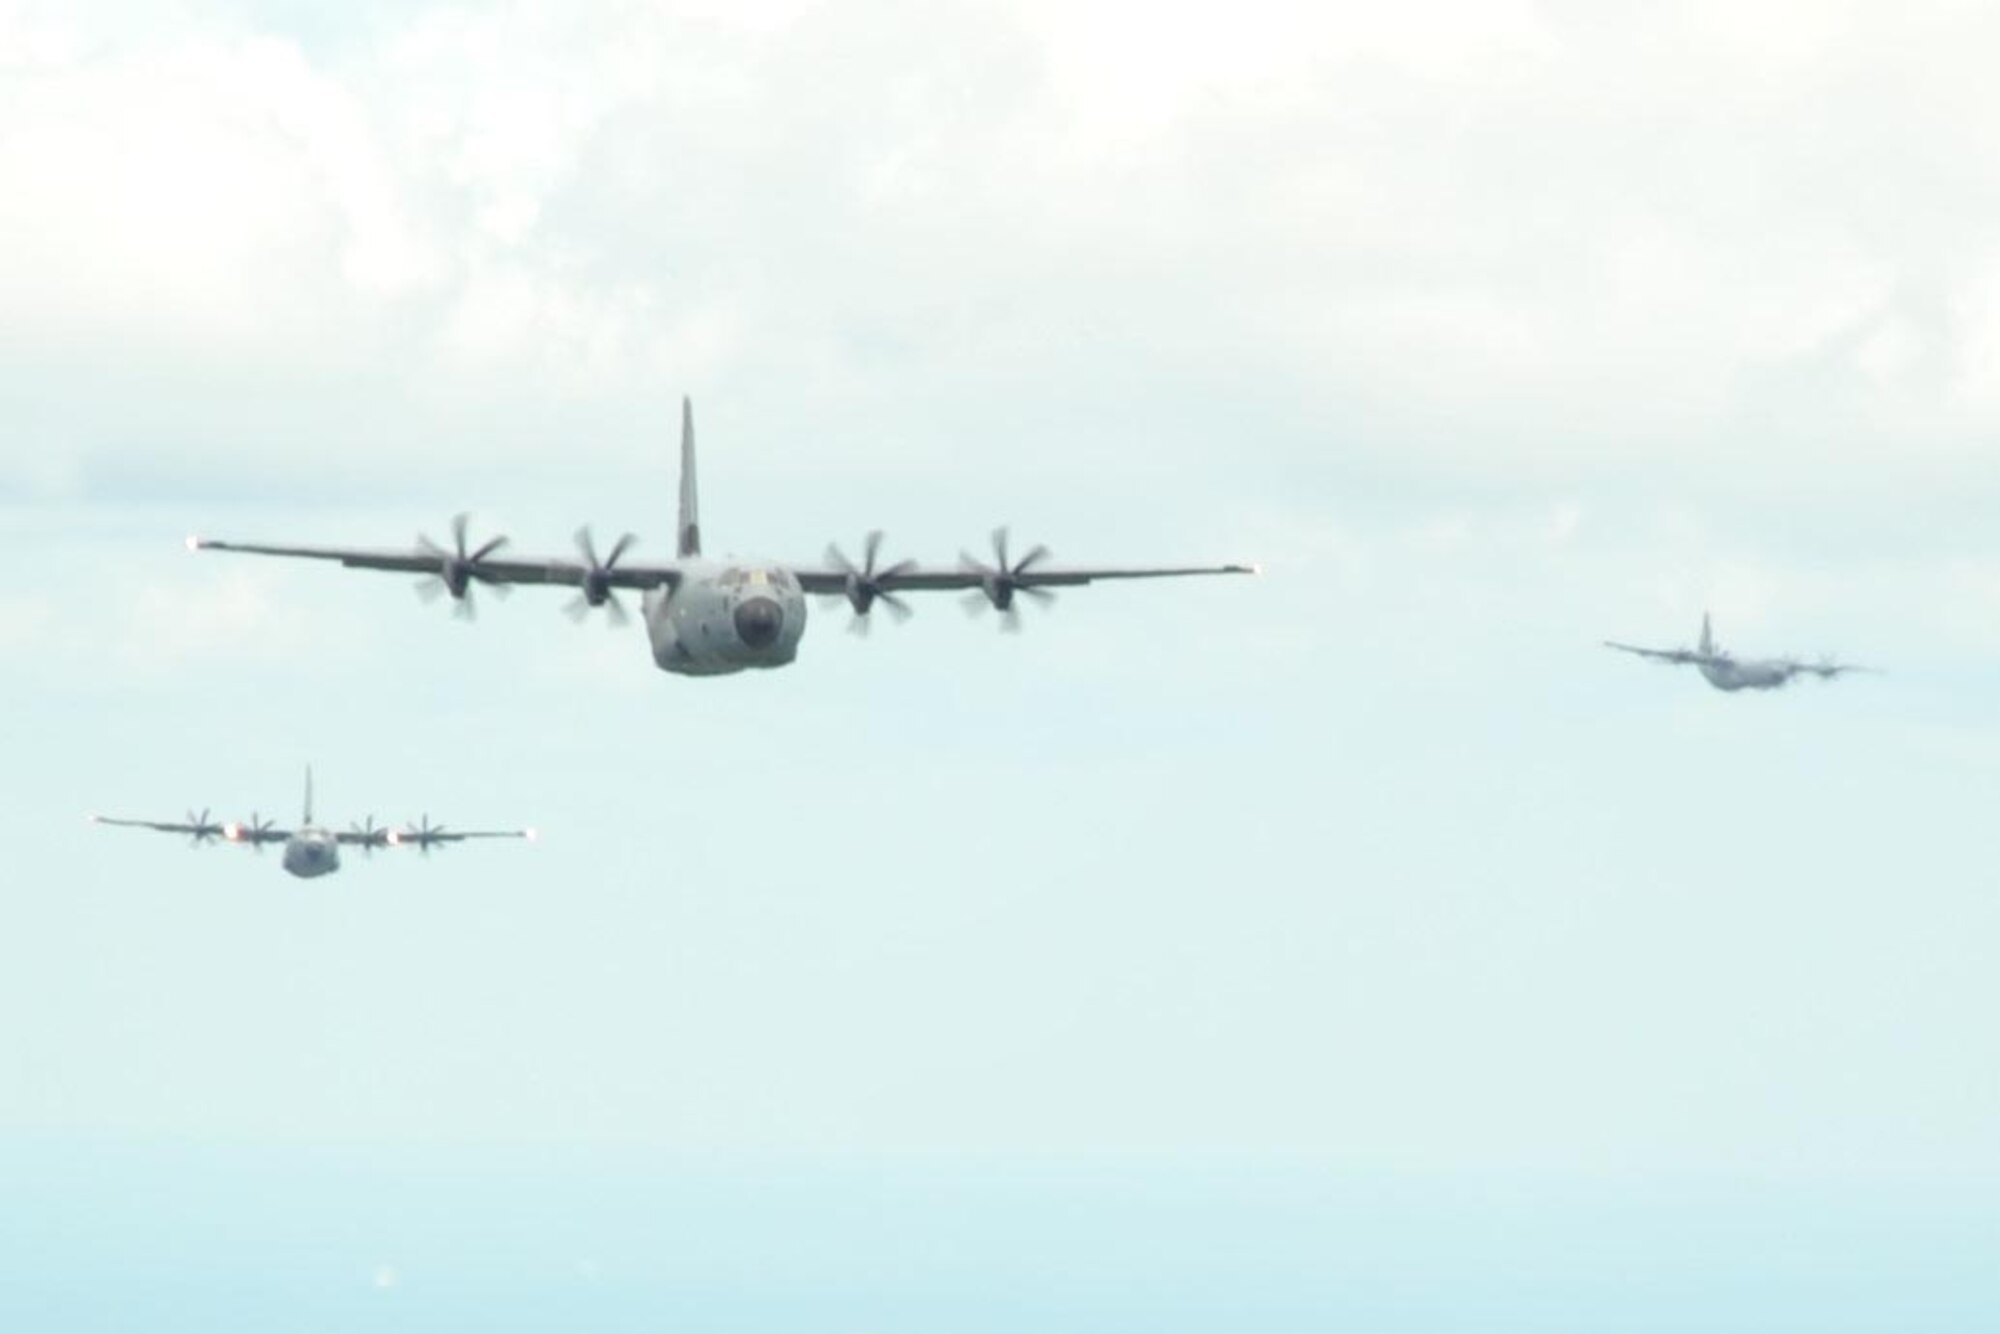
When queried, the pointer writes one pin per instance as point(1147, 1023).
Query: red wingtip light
point(233, 832)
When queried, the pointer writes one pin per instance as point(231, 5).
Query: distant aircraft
point(711, 618)
point(1725, 672)
point(313, 850)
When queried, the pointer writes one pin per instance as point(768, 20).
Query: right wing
point(251, 833)
point(1678, 656)
point(459, 567)
point(201, 829)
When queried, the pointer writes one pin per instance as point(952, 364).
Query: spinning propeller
point(864, 584)
point(458, 568)
point(595, 589)
point(202, 831)
point(369, 836)
point(249, 831)
point(423, 833)
point(1000, 581)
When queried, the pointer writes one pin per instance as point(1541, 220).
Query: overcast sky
point(1493, 329)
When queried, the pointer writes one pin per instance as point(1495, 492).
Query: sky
point(1215, 921)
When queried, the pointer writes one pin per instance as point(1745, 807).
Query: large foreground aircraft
point(1727, 672)
point(710, 618)
point(313, 850)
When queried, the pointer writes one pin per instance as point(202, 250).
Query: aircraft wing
point(363, 838)
point(200, 829)
point(1681, 656)
point(1825, 670)
point(916, 579)
point(460, 835)
point(484, 565)
point(426, 835)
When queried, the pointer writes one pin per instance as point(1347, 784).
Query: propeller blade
point(491, 546)
point(865, 583)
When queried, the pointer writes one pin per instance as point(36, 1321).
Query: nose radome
point(758, 621)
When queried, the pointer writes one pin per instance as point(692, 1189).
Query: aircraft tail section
point(1707, 635)
point(687, 537)
point(309, 795)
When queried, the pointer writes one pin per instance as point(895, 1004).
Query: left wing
point(424, 835)
point(999, 581)
point(1824, 670)
point(369, 835)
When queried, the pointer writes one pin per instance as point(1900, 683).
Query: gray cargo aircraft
point(713, 617)
point(313, 850)
point(1726, 672)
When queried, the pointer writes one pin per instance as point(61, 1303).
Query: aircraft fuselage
point(312, 852)
point(1729, 674)
point(726, 616)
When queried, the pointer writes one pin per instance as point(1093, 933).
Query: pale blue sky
point(1493, 330)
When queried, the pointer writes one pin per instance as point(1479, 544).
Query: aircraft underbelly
point(309, 861)
point(702, 630)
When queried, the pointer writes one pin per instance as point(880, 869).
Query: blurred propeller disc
point(1000, 581)
point(865, 585)
point(595, 589)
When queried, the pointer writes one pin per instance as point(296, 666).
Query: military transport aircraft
point(314, 850)
point(712, 617)
point(1726, 672)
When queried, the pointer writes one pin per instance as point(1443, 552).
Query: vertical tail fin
point(1707, 635)
point(688, 535)
point(309, 795)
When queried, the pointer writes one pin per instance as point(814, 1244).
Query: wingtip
point(194, 543)
point(532, 835)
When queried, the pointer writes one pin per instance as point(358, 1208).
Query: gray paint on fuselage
point(312, 852)
point(710, 624)
point(1729, 674)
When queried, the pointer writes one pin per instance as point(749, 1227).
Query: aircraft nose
point(758, 621)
